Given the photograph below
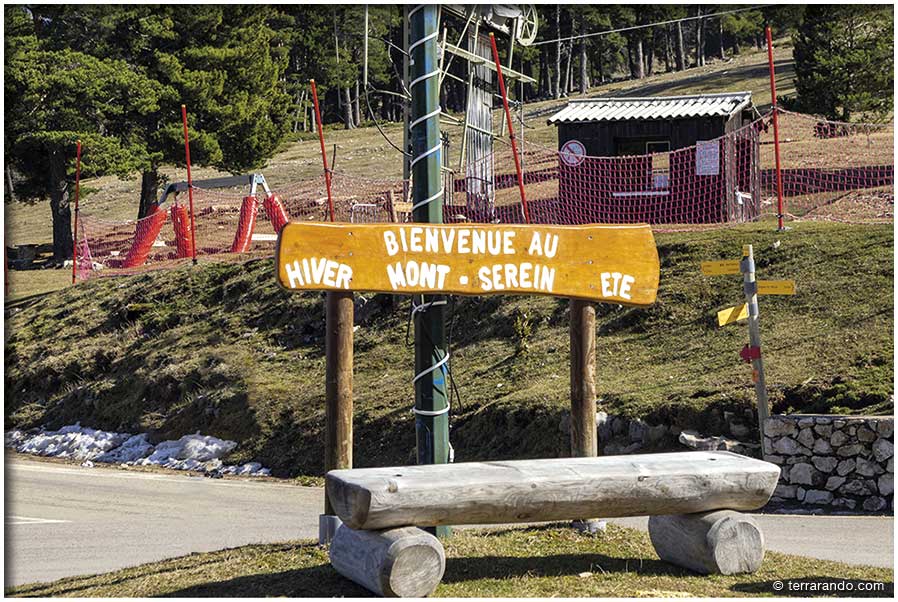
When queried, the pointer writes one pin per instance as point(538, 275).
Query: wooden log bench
point(385, 502)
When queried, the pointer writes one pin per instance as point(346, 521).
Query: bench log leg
point(405, 562)
point(720, 542)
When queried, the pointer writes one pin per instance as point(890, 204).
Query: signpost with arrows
point(751, 287)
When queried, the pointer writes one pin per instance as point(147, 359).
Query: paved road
point(64, 520)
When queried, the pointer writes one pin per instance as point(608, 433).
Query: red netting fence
point(830, 171)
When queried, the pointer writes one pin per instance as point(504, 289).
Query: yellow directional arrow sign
point(776, 287)
point(732, 314)
point(720, 268)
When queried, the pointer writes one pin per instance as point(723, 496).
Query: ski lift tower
point(518, 24)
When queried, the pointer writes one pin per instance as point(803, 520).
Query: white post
point(750, 287)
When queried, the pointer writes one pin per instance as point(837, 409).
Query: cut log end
point(406, 562)
point(417, 569)
point(721, 542)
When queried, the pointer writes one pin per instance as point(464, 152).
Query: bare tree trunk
point(558, 51)
point(723, 55)
point(149, 188)
point(347, 109)
point(680, 51)
point(650, 55)
point(300, 108)
point(357, 105)
point(9, 186)
point(667, 64)
point(59, 207)
point(638, 60)
point(568, 84)
point(584, 63)
point(699, 40)
point(305, 113)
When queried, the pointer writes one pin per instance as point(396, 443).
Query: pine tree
point(844, 60)
point(226, 63)
point(52, 99)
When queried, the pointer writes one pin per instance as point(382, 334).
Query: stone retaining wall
point(840, 461)
point(844, 462)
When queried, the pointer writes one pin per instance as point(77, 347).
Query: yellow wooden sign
point(615, 263)
point(720, 268)
point(776, 287)
point(732, 314)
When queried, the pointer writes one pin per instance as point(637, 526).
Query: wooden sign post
point(339, 316)
point(752, 287)
point(583, 379)
point(338, 345)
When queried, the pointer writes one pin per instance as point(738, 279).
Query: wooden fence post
point(339, 314)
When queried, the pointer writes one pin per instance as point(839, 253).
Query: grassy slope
point(220, 348)
point(361, 152)
point(533, 562)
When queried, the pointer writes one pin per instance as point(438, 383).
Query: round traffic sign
point(573, 152)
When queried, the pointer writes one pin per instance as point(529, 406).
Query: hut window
point(660, 154)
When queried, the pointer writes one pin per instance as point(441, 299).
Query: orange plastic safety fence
point(830, 171)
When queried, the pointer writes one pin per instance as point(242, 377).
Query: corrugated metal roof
point(587, 110)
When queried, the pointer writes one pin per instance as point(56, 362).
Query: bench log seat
point(475, 493)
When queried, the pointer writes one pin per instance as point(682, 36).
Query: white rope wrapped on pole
point(431, 406)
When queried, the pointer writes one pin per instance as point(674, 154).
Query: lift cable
point(659, 23)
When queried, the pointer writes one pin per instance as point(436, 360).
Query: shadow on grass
point(807, 587)
point(313, 582)
point(559, 565)
point(324, 581)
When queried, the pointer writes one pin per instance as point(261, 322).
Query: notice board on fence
point(707, 158)
point(614, 263)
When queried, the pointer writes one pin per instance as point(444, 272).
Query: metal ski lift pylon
point(518, 24)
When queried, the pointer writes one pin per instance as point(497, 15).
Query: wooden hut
point(663, 159)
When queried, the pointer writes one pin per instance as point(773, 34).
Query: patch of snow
point(252, 469)
point(198, 453)
point(249, 468)
point(13, 438)
point(134, 448)
point(201, 448)
point(74, 441)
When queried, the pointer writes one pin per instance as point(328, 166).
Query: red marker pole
point(776, 133)
point(327, 172)
point(77, 198)
point(189, 183)
point(514, 145)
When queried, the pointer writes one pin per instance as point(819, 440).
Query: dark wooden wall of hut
point(601, 139)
